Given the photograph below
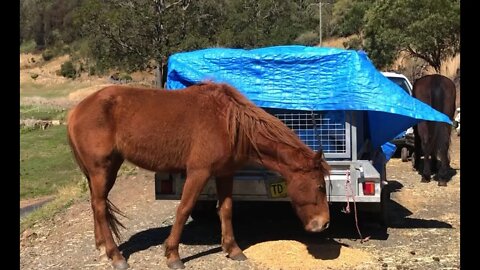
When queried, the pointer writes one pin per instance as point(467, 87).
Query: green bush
point(92, 71)
point(308, 38)
point(28, 46)
point(125, 77)
point(67, 70)
point(47, 55)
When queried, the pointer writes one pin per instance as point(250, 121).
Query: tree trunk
point(158, 77)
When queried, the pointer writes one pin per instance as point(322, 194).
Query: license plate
point(278, 190)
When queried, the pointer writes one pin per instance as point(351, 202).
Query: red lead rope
point(349, 194)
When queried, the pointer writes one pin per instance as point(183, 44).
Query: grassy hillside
point(45, 162)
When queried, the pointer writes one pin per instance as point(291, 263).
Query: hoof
point(442, 183)
point(238, 257)
point(120, 265)
point(176, 265)
point(425, 180)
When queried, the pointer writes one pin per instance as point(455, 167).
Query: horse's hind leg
point(110, 180)
point(102, 177)
point(417, 148)
point(426, 174)
point(196, 180)
point(444, 144)
point(224, 192)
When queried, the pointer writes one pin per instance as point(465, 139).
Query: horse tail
point(112, 219)
point(438, 94)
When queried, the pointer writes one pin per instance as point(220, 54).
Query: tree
point(429, 30)
point(348, 16)
point(47, 21)
point(129, 34)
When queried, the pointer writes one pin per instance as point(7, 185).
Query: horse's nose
point(317, 225)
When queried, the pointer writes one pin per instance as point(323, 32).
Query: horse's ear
point(320, 163)
point(317, 160)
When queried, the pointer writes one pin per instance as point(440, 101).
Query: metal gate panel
point(328, 130)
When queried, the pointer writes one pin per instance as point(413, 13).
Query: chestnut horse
point(433, 138)
point(204, 130)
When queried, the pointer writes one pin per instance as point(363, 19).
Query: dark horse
point(439, 92)
point(204, 130)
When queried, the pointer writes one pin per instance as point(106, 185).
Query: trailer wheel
point(205, 211)
point(404, 154)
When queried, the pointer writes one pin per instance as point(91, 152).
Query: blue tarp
point(306, 78)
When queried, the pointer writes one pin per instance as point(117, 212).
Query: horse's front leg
point(224, 193)
point(196, 180)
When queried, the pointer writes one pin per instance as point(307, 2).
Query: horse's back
point(437, 91)
point(153, 128)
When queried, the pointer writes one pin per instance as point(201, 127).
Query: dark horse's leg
point(427, 151)
point(196, 180)
point(417, 148)
point(224, 192)
point(443, 147)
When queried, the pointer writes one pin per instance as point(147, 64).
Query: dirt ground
point(423, 232)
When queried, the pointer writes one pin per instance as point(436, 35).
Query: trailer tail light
point(368, 188)
point(165, 182)
point(166, 186)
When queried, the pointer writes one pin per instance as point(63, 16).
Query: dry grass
point(449, 67)
point(65, 197)
point(335, 42)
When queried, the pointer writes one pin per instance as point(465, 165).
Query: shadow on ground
point(256, 222)
point(434, 167)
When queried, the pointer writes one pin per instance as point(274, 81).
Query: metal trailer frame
point(342, 136)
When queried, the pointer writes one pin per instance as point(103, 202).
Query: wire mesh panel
point(328, 130)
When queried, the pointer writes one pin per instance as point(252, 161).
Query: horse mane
point(245, 121)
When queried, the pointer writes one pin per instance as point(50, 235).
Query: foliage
point(47, 22)
point(429, 30)
point(125, 77)
point(348, 16)
point(67, 70)
point(129, 34)
point(28, 46)
point(47, 55)
point(310, 38)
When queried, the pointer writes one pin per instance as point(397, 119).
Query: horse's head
point(308, 194)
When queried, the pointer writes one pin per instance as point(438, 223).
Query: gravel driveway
point(423, 232)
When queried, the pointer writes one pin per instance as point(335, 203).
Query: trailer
point(334, 100)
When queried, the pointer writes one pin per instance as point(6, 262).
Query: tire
point(404, 154)
point(205, 211)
